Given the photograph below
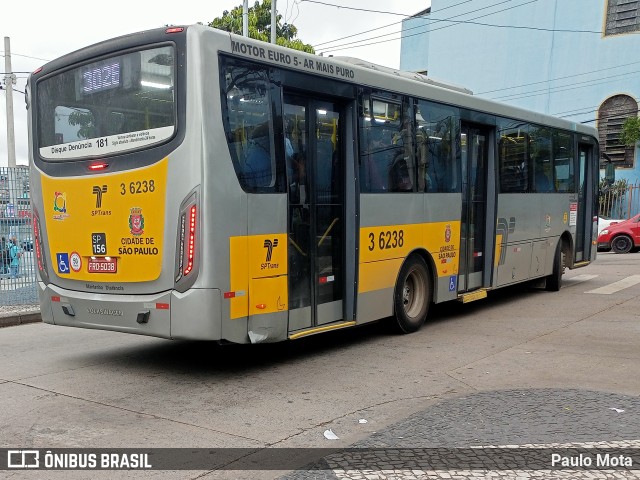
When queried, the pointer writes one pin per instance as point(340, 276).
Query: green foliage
point(260, 26)
point(609, 197)
point(85, 121)
point(630, 131)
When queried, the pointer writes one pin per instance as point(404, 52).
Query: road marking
point(577, 279)
point(617, 286)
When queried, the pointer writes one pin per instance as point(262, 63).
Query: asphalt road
point(523, 367)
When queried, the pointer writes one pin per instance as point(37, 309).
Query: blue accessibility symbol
point(62, 260)
point(453, 280)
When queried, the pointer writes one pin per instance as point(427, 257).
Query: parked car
point(621, 237)
point(604, 222)
point(27, 244)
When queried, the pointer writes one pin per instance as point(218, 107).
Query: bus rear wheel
point(412, 294)
point(554, 280)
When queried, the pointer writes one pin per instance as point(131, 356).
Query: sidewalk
point(11, 315)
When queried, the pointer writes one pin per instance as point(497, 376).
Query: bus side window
point(513, 158)
point(540, 152)
point(249, 126)
point(563, 162)
point(438, 147)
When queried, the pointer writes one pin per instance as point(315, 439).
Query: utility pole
point(273, 21)
point(245, 18)
point(9, 80)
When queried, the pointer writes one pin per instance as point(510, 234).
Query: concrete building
point(576, 59)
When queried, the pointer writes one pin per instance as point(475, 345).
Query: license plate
point(103, 265)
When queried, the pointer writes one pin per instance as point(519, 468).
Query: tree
point(630, 131)
point(260, 26)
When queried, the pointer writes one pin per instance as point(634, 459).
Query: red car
point(621, 237)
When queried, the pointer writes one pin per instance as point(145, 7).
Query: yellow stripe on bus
point(383, 249)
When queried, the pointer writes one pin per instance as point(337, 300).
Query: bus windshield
point(120, 103)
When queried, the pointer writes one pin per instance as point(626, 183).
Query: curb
point(13, 320)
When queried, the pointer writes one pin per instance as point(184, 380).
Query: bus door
point(474, 153)
point(316, 205)
point(583, 236)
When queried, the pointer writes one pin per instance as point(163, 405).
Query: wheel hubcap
point(413, 294)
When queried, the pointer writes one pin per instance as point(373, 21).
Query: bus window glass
point(105, 107)
point(540, 148)
point(249, 124)
point(438, 147)
point(73, 124)
point(386, 150)
point(513, 158)
point(563, 160)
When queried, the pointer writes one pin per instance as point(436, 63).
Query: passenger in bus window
point(542, 180)
point(376, 163)
point(258, 165)
point(399, 176)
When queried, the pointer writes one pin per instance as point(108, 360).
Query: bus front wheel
point(412, 295)
point(555, 279)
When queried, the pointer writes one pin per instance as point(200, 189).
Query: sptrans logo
point(269, 245)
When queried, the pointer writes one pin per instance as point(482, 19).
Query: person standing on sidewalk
point(14, 256)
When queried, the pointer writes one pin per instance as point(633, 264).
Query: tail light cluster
point(187, 238)
point(38, 246)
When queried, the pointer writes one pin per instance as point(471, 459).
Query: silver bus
point(190, 183)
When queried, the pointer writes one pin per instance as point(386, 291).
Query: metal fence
point(17, 269)
point(620, 200)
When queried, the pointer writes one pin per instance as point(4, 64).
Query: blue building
point(576, 59)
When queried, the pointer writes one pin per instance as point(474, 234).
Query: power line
point(557, 78)
point(390, 25)
point(26, 56)
point(455, 22)
point(552, 89)
point(562, 88)
point(422, 26)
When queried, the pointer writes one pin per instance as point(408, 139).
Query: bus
point(189, 183)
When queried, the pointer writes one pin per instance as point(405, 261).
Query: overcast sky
point(43, 30)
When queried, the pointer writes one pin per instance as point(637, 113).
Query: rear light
point(174, 30)
point(38, 245)
point(191, 240)
point(187, 252)
point(94, 167)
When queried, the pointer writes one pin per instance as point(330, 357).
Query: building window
point(612, 114)
point(623, 16)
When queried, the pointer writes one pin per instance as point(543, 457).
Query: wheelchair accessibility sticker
point(62, 259)
point(453, 280)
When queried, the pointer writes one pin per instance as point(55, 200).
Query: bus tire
point(412, 294)
point(622, 244)
point(554, 281)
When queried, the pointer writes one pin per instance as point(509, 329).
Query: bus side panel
point(527, 231)
point(267, 267)
point(195, 314)
point(393, 226)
